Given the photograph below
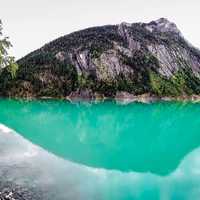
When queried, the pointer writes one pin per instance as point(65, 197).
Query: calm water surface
point(158, 143)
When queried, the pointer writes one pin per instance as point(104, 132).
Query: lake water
point(145, 151)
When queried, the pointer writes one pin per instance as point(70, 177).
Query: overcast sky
point(32, 23)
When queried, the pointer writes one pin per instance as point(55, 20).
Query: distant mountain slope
point(137, 58)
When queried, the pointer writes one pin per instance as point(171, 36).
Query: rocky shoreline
point(11, 191)
point(123, 97)
point(148, 98)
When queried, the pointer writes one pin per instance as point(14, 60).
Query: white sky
point(32, 23)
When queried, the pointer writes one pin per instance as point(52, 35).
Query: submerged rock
point(135, 58)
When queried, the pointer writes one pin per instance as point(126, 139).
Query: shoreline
point(123, 97)
point(11, 191)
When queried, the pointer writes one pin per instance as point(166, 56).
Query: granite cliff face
point(136, 58)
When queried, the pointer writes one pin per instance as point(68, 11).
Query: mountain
point(135, 59)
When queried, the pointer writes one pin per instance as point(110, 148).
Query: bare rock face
point(163, 25)
point(135, 58)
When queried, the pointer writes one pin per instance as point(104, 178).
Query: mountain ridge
point(134, 58)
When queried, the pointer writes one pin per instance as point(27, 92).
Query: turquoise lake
point(157, 144)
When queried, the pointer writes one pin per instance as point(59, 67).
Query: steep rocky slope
point(136, 58)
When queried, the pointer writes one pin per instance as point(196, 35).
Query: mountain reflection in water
point(27, 165)
point(136, 137)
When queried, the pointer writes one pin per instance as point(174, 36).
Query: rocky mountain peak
point(163, 25)
point(137, 58)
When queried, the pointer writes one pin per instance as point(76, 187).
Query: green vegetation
point(175, 86)
point(57, 69)
point(96, 38)
point(96, 52)
point(5, 59)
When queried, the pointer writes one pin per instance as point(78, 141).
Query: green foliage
point(134, 84)
point(96, 52)
point(175, 86)
point(5, 59)
point(88, 39)
point(140, 60)
point(107, 88)
point(12, 67)
point(59, 78)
